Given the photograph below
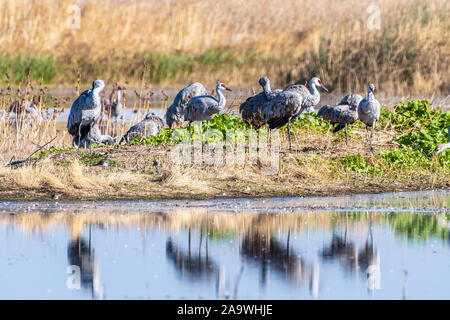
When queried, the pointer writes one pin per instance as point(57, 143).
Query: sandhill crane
point(204, 108)
point(85, 112)
point(346, 112)
point(19, 106)
point(251, 109)
point(175, 113)
point(94, 136)
point(115, 107)
point(443, 146)
point(150, 126)
point(369, 111)
point(311, 96)
point(281, 109)
point(290, 103)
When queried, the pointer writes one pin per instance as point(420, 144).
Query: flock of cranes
point(273, 108)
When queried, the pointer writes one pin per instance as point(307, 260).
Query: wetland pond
point(385, 246)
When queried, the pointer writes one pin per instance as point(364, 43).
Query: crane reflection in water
point(81, 254)
point(355, 260)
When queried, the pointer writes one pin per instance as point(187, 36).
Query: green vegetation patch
point(40, 67)
point(97, 159)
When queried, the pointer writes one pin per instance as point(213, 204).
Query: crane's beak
point(323, 87)
point(226, 88)
point(437, 151)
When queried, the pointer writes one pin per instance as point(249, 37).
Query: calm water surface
point(390, 246)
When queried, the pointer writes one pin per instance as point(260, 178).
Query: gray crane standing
point(201, 108)
point(175, 113)
point(311, 95)
point(115, 107)
point(27, 106)
point(345, 113)
point(290, 103)
point(251, 109)
point(369, 112)
point(85, 111)
point(150, 126)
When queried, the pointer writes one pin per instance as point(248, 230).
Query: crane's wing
point(75, 112)
point(282, 107)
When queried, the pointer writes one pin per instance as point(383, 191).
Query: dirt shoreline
point(147, 173)
point(49, 195)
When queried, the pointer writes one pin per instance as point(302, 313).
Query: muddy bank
point(148, 173)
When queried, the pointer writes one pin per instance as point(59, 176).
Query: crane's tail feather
point(277, 122)
point(339, 127)
point(124, 138)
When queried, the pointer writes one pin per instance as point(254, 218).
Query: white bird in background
point(251, 109)
point(204, 108)
point(150, 126)
point(85, 111)
point(369, 111)
point(346, 112)
point(175, 113)
point(443, 146)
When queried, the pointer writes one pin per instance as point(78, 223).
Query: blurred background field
point(234, 41)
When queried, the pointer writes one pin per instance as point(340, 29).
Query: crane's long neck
point(314, 92)
point(222, 101)
point(96, 95)
point(267, 90)
point(119, 96)
point(370, 95)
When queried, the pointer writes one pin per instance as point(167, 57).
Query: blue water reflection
point(193, 253)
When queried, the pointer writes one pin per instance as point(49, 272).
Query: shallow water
point(388, 246)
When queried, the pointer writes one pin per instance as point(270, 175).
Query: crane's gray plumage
point(175, 113)
point(369, 111)
point(251, 109)
point(205, 107)
point(441, 147)
point(19, 106)
point(85, 112)
point(150, 126)
point(311, 95)
point(95, 136)
point(115, 108)
point(345, 113)
point(290, 103)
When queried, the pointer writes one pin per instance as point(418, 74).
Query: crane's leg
point(207, 127)
point(201, 133)
point(367, 133)
point(371, 135)
point(79, 135)
point(189, 132)
point(89, 133)
point(289, 134)
point(346, 139)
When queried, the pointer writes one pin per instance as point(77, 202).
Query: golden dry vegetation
point(148, 172)
point(235, 41)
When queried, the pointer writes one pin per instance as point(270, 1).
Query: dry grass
point(305, 171)
point(295, 39)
